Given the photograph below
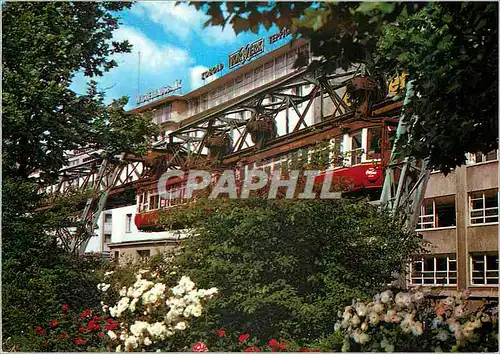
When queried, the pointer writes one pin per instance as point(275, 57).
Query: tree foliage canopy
point(44, 45)
point(449, 49)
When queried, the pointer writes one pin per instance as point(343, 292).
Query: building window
point(483, 207)
point(434, 270)
point(144, 254)
point(108, 218)
point(107, 238)
point(437, 212)
point(128, 223)
point(238, 85)
point(291, 57)
point(280, 66)
point(117, 254)
point(480, 157)
point(484, 269)
point(269, 71)
point(259, 76)
point(204, 101)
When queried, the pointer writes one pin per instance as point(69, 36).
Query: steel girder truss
point(288, 110)
point(187, 146)
point(98, 178)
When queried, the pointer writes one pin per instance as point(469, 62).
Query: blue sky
point(173, 46)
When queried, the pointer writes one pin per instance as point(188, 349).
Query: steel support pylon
point(405, 181)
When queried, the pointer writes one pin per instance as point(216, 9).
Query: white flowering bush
point(412, 321)
point(149, 312)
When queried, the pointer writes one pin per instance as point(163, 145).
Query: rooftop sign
point(280, 35)
point(212, 71)
point(246, 53)
point(151, 95)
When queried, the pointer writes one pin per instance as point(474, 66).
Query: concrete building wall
point(466, 240)
point(124, 235)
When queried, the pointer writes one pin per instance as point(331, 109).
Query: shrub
point(284, 267)
point(412, 321)
point(73, 331)
point(150, 313)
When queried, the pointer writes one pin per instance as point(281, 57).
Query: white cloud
point(195, 75)
point(183, 21)
point(154, 57)
point(161, 65)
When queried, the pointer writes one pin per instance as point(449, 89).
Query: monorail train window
point(356, 148)
point(374, 142)
point(337, 157)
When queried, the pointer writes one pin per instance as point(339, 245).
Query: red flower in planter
point(86, 314)
point(40, 330)
point(253, 349)
point(65, 307)
point(93, 326)
point(273, 343)
point(111, 324)
point(81, 329)
point(244, 337)
point(64, 335)
point(101, 335)
point(200, 347)
point(79, 341)
point(53, 323)
point(220, 332)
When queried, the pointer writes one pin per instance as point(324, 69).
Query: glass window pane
point(429, 264)
point(441, 263)
point(446, 215)
point(492, 262)
point(428, 207)
point(452, 265)
point(491, 201)
point(356, 141)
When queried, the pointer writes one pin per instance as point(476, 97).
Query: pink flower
point(200, 347)
point(220, 332)
point(53, 323)
point(244, 337)
point(65, 307)
point(40, 330)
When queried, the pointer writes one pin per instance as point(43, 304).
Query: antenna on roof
point(139, 75)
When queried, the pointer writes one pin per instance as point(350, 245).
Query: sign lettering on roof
point(212, 71)
point(280, 35)
point(151, 95)
point(246, 53)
